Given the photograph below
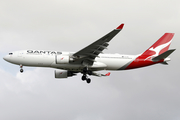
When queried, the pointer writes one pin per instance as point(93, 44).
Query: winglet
point(108, 74)
point(120, 27)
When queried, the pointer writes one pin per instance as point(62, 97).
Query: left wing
point(87, 55)
point(99, 74)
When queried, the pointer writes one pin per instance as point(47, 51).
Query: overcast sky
point(150, 93)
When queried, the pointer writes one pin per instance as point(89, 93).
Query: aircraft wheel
point(88, 80)
point(21, 70)
point(84, 77)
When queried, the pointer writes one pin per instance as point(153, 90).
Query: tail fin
point(160, 46)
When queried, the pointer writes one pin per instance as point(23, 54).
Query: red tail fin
point(160, 46)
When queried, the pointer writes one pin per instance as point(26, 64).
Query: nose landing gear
point(21, 69)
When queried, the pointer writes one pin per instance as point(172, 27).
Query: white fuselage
point(48, 59)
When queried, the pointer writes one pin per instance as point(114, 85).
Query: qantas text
point(43, 52)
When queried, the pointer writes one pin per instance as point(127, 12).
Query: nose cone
point(5, 58)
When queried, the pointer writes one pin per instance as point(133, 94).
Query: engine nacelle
point(63, 74)
point(60, 59)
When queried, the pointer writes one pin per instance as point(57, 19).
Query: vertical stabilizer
point(158, 51)
point(160, 46)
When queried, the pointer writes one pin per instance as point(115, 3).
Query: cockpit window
point(10, 53)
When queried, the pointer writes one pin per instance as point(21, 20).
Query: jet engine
point(63, 74)
point(60, 59)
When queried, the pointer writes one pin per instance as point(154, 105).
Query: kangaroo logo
point(158, 49)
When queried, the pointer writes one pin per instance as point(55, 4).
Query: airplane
point(90, 59)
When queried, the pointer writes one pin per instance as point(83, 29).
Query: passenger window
point(10, 53)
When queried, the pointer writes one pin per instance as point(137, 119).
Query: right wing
point(87, 55)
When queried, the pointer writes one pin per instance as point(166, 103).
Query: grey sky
point(141, 94)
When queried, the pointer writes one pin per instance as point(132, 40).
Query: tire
point(88, 80)
point(21, 70)
point(83, 77)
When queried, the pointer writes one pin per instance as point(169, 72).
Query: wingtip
point(108, 74)
point(120, 27)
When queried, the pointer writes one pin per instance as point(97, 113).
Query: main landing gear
point(21, 69)
point(85, 77)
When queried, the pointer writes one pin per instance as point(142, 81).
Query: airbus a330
point(90, 59)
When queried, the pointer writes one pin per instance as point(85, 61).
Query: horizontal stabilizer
point(163, 55)
point(164, 63)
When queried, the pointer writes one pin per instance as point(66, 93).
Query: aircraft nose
point(5, 58)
